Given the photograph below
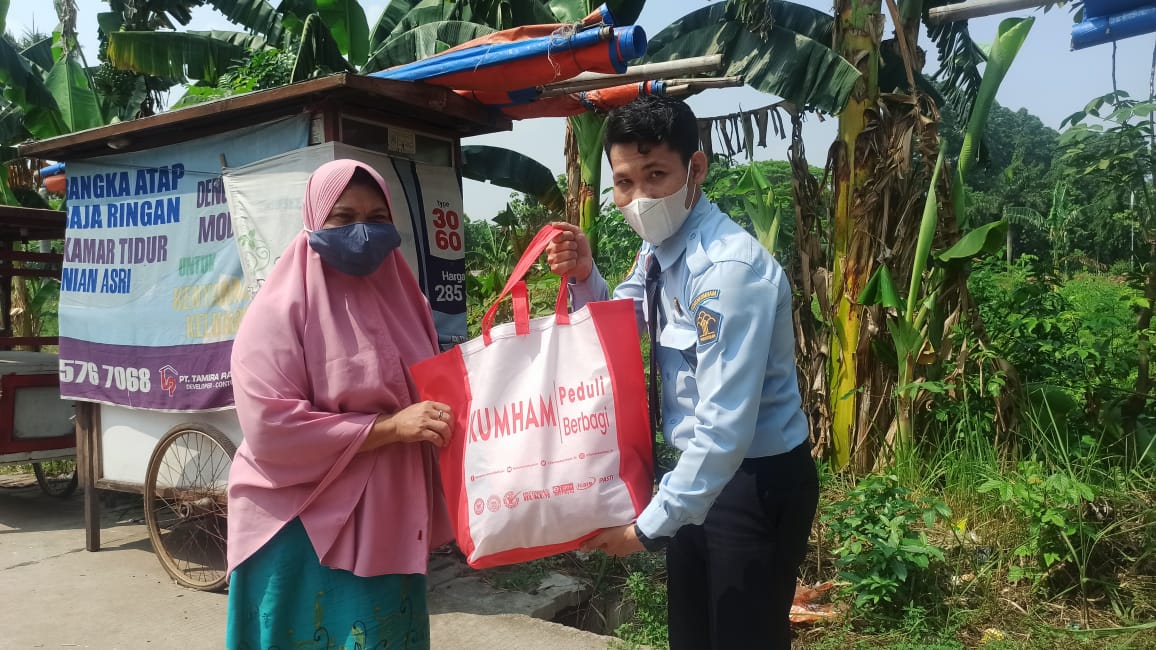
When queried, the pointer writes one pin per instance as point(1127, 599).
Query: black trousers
point(731, 580)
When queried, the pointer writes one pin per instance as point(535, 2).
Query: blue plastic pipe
point(1105, 8)
point(630, 41)
point(1097, 31)
point(52, 170)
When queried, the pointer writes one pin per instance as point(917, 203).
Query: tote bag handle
point(516, 286)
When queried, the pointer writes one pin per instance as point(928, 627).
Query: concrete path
point(54, 594)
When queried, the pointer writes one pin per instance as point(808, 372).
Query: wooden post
point(594, 80)
point(978, 8)
point(85, 464)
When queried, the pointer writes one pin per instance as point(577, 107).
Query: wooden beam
point(27, 341)
point(9, 270)
point(436, 106)
point(28, 256)
point(648, 72)
point(978, 8)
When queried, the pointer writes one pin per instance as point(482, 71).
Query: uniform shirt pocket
point(681, 337)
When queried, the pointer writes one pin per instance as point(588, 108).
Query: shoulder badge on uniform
point(633, 265)
point(703, 297)
point(707, 322)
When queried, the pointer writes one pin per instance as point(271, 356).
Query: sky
point(1047, 79)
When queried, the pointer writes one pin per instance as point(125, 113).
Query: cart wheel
point(57, 478)
point(185, 501)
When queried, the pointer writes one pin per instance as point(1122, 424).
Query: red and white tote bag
point(552, 436)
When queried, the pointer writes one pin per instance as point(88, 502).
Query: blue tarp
point(1100, 30)
point(624, 44)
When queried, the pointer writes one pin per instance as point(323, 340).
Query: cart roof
point(19, 224)
point(439, 108)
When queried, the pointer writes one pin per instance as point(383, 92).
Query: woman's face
point(358, 204)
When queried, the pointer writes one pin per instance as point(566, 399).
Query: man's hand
point(569, 252)
point(618, 541)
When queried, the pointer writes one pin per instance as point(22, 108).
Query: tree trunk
point(573, 176)
point(584, 171)
point(858, 34)
point(22, 318)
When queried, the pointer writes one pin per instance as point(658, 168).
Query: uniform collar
point(670, 250)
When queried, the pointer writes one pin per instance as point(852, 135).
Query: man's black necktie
point(652, 285)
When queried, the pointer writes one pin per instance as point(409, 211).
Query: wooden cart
point(36, 425)
point(179, 461)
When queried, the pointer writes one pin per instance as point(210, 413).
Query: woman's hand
point(569, 252)
point(420, 422)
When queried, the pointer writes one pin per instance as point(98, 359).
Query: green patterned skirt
point(282, 598)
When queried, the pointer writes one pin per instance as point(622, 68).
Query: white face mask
point(655, 220)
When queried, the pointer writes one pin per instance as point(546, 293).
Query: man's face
point(656, 174)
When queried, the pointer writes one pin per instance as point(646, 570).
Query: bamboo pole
point(978, 8)
point(707, 82)
point(594, 81)
point(683, 87)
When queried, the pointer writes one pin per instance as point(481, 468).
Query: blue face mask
point(357, 249)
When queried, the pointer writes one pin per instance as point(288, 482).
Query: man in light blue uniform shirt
point(735, 511)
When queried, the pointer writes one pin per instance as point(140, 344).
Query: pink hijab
point(318, 356)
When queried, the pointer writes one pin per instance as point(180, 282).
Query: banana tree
point(916, 340)
point(880, 167)
point(325, 35)
point(46, 91)
point(1054, 225)
point(515, 171)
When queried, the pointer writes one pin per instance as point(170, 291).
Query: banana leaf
point(422, 42)
point(515, 171)
point(394, 12)
point(431, 11)
point(244, 40)
point(125, 107)
point(759, 199)
point(531, 12)
point(109, 22)
point(348, 26)
point(881, 290)
point(39, 54)
point(26, 89)
point(70, 85)
point(6, 195)
point(1023, 216)
point(984, 240)
point(294, 14)
point(1010, 37)
point(569, 11)
point(927, 227)
point(198, 95)
point(959, 60)
point(255, 15)
point(318, 54)
point(625, 12)
point(812, 23)
point(173, 55)
point(12, 125)
point(781, 62)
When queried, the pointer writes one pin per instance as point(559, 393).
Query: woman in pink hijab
point(334, 499)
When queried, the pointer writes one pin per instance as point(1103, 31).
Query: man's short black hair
point(652, 120)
